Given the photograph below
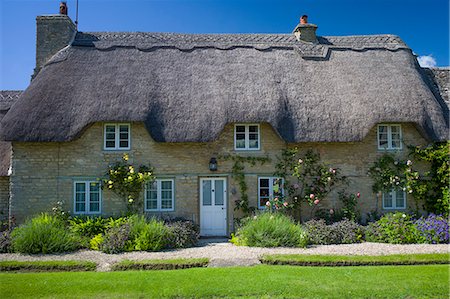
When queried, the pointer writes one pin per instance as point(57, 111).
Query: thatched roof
point(187, 87)
point(7, 98)
point(439, 82)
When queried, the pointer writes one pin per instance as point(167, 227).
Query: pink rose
point(268, 203)
point(316, 202)
point(358, 195)
point(285, 204)
point(296, 186)
point(311, 196)
point(275, 199)
point(331, 211)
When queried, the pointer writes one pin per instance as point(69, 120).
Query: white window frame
point(159, 197)
point(270, 178)
point(117, 137)
point(389, 135)
point(87, 185)
point(247, 137)
point(393, 193)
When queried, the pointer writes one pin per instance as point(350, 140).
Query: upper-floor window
point(389, 137)
point(269, 188)
point(246, 137)
point(117, 136)
point(159, 195)
point(87, 197)
point(394, 200)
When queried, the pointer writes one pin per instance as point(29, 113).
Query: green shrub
point(183, 234)
point(160, 264)
point(47, 266)
point(270, 230)
point(395, 228)
point(44, 234)
point(96, 242)
point(145, 235)
point(342, 232)
point(116, 239)
point(88, 226)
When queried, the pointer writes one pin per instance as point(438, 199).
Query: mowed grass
point(430, 281)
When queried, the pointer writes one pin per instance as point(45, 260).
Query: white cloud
point(427, 61)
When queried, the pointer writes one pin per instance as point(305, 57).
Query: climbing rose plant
point(430, 188)
point(307, 179)
point(128, 181)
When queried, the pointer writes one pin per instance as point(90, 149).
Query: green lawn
point(430, 281)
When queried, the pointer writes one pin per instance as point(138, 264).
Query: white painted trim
point(117, 137)
point(389, 135)
point(159, 197)
point(394, 201)
point(247, 137)
point(87, 198)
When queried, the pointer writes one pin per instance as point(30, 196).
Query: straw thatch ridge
point(186, 88)
point(7, 98)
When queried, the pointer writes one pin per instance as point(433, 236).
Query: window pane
point(166, 185)
point(80, 197)
point(94, 197)
point(240, 129)
point(240, 143)
point(206, 189)
point(94, 207)
point(123, 136)
point(151, 205)
point(110, 144)
point(264, 183)
point(123, 143)
point(166, 204)
point(95, 186)
point(400, 199)
point(110, 129)
point(166, 194)
point(264, 192)
point(110, 136)
point(253, 129)
point(382, 129)
point(388, 200)
point(218, 190)
point(395, 130)
point(395, 144)
point(80, 187)
point(253, 141)
point(262, 201)
point(123, 128)
point(80, 207)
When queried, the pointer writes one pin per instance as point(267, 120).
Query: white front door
point(213, 206)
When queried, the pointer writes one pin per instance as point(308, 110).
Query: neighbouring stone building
point(181, 101)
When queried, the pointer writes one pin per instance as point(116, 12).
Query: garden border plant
point(46, 266)
point(160, 264)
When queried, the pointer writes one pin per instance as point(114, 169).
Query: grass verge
point(355, 260)
point(160, 264)
point(264, 281)
point(47, 266)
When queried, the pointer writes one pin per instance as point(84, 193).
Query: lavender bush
point(434, 228)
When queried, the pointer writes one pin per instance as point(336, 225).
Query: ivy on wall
point(237, 173)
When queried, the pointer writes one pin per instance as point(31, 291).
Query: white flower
point(403, 215)
point(408, 162)
point(271, 217)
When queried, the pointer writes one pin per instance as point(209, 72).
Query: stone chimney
point(53, 32)
point(305, 31)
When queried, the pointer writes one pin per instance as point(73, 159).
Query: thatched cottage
point(180, 101)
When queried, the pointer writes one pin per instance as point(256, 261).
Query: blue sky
point(423, 25)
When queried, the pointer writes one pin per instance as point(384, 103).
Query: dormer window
point(389, 137)
point(246, 137)
point(117, 136)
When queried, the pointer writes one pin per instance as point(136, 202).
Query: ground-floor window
point(269, 188)
point(159, 195)
point(396, 199)
point(87, 197)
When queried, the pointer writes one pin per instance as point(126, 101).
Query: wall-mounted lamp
point(213, 164)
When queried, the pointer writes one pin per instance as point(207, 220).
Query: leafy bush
point(434, 229)
point(96, 242)
point(115, 239)
point(396, 228)
point(270, 230)
point(88, 226)
point(342, 232)
point(183, 233)
point(43, 234)
point(145, 235)
point(47, 266)
point(5, 241)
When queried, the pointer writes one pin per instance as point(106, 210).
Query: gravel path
point(222, 253)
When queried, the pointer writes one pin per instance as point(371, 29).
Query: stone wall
point(43, 173)
point(4, 198)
